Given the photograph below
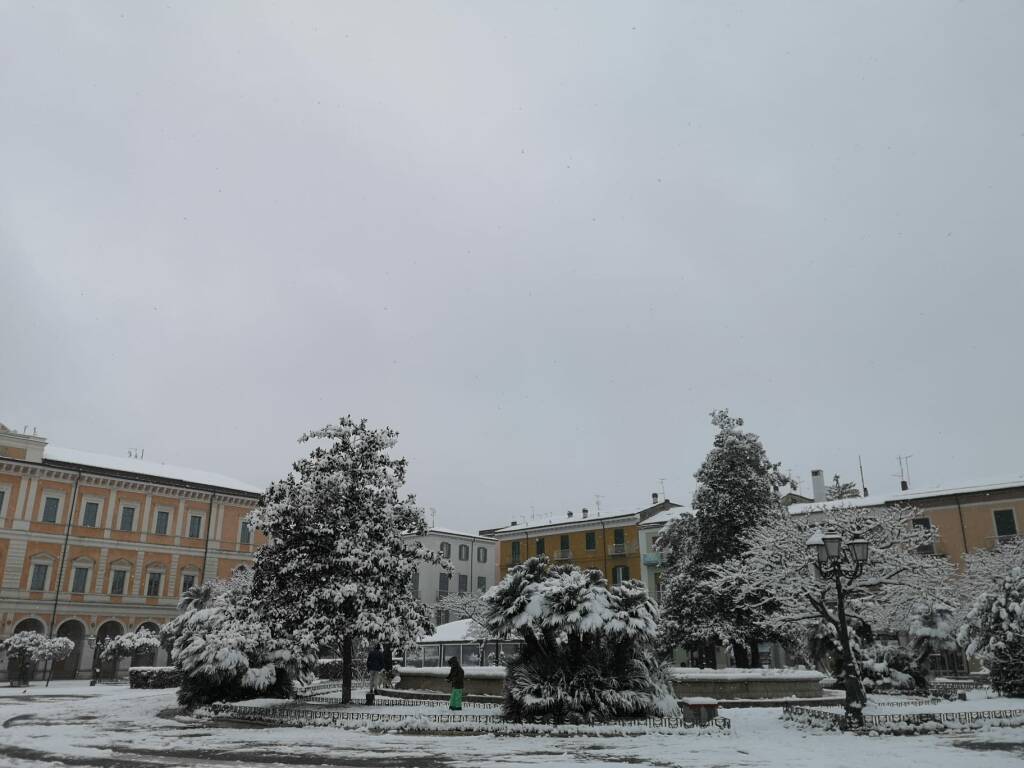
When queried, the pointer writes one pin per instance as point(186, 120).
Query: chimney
point(904, 485)
point(585, 513)
point(569, 513)
point(654, 498)
point(818, 484)
point(514, 523)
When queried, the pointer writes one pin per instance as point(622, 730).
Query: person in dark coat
point(457, 677)
point(375, 666)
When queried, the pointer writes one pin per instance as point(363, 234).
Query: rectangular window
point(79, 577)
point(443, 582)
point(924, 523)
point(620, 573)
point(1005, 524)
point(481, 583)
point(481, 554)
point(39, 577)
point(245, 536)
point(446, 550)
point(591, 541)
point(153, 584)
point(117, 582)
point(2, 497)
point(195, 526)
point(50, 506)
point(92, 511)
point(463, 552)
point(127, 518)
point(463, 583)
point(188, 581)
point(563, 542)
point(516, 555)
point(540, 546)
point(619, 535)
point(163, 520)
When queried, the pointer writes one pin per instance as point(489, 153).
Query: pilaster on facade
point(28, 501)
point(14, 564)
point(141, 577)
point(145, 517)
point(99, 582)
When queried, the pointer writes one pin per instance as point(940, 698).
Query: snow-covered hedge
point(154, 677)
point(731, 674)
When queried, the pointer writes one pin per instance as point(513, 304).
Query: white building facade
point(474, 564)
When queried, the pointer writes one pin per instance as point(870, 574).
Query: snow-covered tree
point(933, 629)
point(737, 490)
point(776, 568)
point(336, 566)
point(226, 651)
point(52, 650)
point(129, 644)
point(588, 649)
point(21, 648)
point(984, 571)
point(841, 490)
point(467, 605)
point(994, 632)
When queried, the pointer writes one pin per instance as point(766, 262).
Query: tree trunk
point(755, 654)
point(346, 670)
point(739, 655)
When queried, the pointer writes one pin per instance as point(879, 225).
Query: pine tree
point(336, 567)
point(737, 491)
point(994, 632)
point(841, 490)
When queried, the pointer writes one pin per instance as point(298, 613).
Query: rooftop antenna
point(662, 481)
point(433, 516)
point(904, 462)
point(863, 488)
point(597, 501)
point(143, 454)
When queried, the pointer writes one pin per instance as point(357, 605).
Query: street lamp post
point(834, 561)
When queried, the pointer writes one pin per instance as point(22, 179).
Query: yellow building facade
point(606, 542)
point(94, 546)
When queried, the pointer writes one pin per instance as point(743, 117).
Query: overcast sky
point(541, 240)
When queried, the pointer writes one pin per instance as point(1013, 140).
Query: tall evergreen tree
point(336, 566)
point(737, 491)
point(841, 490)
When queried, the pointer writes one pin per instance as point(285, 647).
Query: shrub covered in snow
point(129, 644)
point(22, 648)
point(154, 677)
point(589, 649)
point(227, 652)
point(994, 632)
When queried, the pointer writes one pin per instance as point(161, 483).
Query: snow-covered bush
point(21, 648)
point(154, 677)
point(227, 652)
point(589, 649)
point(52, 650)
point(994, 632)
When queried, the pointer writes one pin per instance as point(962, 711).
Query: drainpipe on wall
point(960, 512)
point(206, 546)
point(604, 545)
point(64, 551)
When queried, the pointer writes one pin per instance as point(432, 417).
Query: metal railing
point(622, 549)
point(651, 558)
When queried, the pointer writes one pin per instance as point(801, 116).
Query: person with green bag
point(457, 677)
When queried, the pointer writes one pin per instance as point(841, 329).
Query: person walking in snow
point(375, 666)
point(457, 677)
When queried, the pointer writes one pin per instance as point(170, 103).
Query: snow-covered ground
point(115, 727)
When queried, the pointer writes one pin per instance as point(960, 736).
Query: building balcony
point(651, 558)
point(995, 541)
point(618, 550)
point(563, 554)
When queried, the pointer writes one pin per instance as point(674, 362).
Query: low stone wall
point(479, 680)
point(746, 683)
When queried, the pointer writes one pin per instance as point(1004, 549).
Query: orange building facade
point(94, 546)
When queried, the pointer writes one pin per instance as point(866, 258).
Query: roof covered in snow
point(665, 517)
point(452, 632)
point(463, 534)
point(905, 496)
point(127, 464)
